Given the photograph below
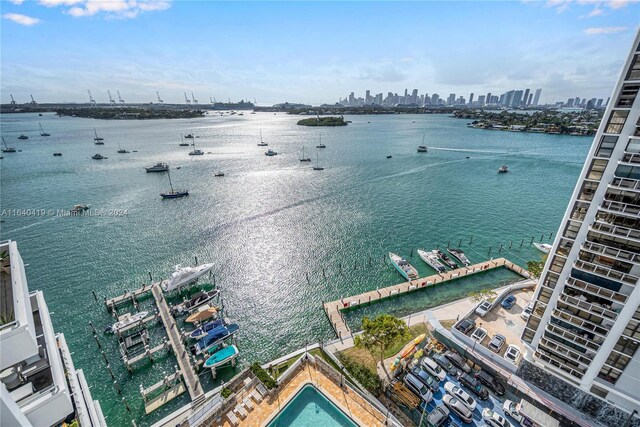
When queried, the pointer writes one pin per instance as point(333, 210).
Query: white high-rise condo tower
point(585, 326)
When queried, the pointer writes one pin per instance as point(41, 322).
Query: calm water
point(271, 221)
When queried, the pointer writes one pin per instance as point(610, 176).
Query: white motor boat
point(184, 276)
point(126, 320)
point(432, 260)
point(543, 247)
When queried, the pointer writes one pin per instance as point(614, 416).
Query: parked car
point(458, 361)
point(426, 378)
point(483, 308)
point(466, 325)
point(497, 342)
point(494, 419)
point(433, 368)
point(458, 408)
point(511, 408)
point(508, 302)
point(512, 354)
point(438, 416)
point(461, 395)
point(478, 335)
point(526, 313)
point(416, 386)
point(474, 385)
point(490, 382)
point(446, 364)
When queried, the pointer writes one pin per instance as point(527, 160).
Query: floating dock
point(334, 309)
point(171, 387)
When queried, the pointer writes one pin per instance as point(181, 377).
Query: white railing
point(613, 206)
point(596, 290)
point(611, 251)
point(605, 272)
point(594, 308)
point(625, 183)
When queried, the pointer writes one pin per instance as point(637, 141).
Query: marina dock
point(334, 309)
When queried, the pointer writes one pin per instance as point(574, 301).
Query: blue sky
point(310, 52)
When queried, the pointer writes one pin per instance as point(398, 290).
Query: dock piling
point(550, 234)
point(460, 242)
point(150, 278)
point(531, 241)
point(522, 243)
point(471, 240)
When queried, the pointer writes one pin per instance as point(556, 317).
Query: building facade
point(39, 385)
point(585, 325)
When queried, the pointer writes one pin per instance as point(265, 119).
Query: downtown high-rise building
point(585, 324)
point(536, 97)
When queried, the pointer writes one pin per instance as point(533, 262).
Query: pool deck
point(333, 309)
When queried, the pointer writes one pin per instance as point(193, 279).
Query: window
point(565, 246)
point(589, 189)
point(634, 70)
point(597, 169)
point(579, 211)
point(633, 146)
point(627, 96)
point(550, 281)
point(616, 121)
point(544, 295)
point(624, 171)
point(599, 392)
point(557, 263)
point(607, 144)
point(571, 230)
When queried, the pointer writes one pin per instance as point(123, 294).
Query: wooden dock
point(129, 297)
point(190, 378)
point(334, 309)
point(171, 387)
point(148, 353)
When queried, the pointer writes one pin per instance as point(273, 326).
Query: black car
point(428, 380)
point(466, 325)
point(475, 386)
point(490, 382)
point(446, 364)
point(458, 361)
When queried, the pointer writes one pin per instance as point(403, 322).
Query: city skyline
point(307, 52)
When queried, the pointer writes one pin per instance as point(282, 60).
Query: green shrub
point(367, 378)
point(225, 393)
point(263, 376)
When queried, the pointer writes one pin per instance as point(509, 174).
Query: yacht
point(97, 139)
point(405, 269)
point(201, 332)
point(215, 337)
point(98, 157)
point(158, 167)
point(42, 132)
point(459, 255)
point(303, 158)
point(173, 194)
point(126, 320)
point(543, 247)
point(195, 151)
point(262, 143)
point(122, 150)
point(6, 148)
point(432, 260)
point(270, 153)
point(503, 169)
point(445, 259)
point(422, 148)
point(183, 276)
point(198, 299)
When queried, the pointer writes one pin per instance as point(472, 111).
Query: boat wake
point(468, 150)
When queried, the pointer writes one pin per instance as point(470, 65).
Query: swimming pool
point(309, 407)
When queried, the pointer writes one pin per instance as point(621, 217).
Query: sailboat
point(321, 145)
point(303, 158)
point(6, 148)
point(504, 168)
point(42, 132)
point(121, 150)
point(422, 148)
point(317, 167)
point(97, 139)
point(182, 143)
point(262, 143)
point(173, 194)
point(195, 152)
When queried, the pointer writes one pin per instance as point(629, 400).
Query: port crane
point(160, 101)
point(13, 101)
point(91, 100)
point(33, 101)
point(111, 101)
point(187, 100)
point(212, 101)
point(195, 101)
point(119, 97)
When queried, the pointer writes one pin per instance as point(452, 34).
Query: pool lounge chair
point(248, 403)
point(233, 419)
point(256, 396)
point(239, 409)
point(263, 391)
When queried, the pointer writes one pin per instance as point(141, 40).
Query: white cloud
point(54, 3)
point(21, 19)
point(604, 30)
point(18, 2)
point(595, 12)
point(109, 8)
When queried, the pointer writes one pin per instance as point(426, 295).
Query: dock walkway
point(333, 309)
point(190, 378)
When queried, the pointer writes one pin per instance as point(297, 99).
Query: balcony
point(618, 231)
point(572, 334)
point(580, 323)
point(596, 290)
point(547, 355)
point(605, 272)
point(612, 252)
point(627, 184)
point(568, 352)
point(630, 158)
point(611, 206)
point(580, 302)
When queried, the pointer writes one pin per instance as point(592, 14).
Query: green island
point(129, 113)
point(579, 123)
point(323, 121)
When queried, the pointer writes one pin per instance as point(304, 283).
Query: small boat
point(97, 139)
point(303, 158)
point(126, 320)
point(195, 152)
point(57, 154)
point(543, 247)
point(76, 209)
point(388, 157)
point(202, 313)
point(270, 153)
point(503, 169)
point(432, 260)
point(23, 137)
point(182, 143)
point(222, 356)
point(158, 167)
point(121, 150)
point(42, 132)
point(198, 299)
point(98, 156)
point(6, 148)
point(317, 167)
point(215, 337)
point(183, 276)
point(405, 269)
point(189, 135)
point(422, 148)
point(173, 194)
point(321, 145)
point(219, 174)
point(445, 259)
point(201, 332)
point(262, 143)
point(459, 255)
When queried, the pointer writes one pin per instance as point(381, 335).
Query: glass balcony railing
point(633, 158)
point(605, 272)
point(616, 230)
point(579, 302)
point(619, 207)
point(611, 252)
point(625, 184)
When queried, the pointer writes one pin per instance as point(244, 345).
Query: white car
point(493, 419)
point(483, 308)
point(512, 354)
point(478, 335)
point(526, 313)
point(433, 368)
point(461, 395)
point(511, 408)
point(458, 408)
